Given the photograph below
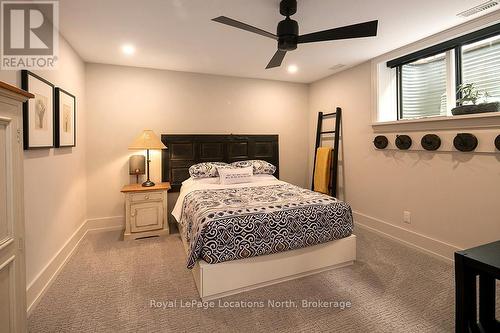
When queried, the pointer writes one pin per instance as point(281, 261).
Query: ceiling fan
point(288, 36)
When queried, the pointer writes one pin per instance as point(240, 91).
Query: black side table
point(484, 261)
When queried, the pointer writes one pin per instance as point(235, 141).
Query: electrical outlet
point(407, 217)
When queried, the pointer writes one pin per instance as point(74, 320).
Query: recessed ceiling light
point(128, 49)
point(292, 69)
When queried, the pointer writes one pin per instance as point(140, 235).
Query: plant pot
point(479, 108)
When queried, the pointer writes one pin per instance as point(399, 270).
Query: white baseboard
point(434, 247)
point(106, 223)
point(36, 289)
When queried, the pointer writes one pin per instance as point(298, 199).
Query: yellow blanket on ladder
point(322, 170)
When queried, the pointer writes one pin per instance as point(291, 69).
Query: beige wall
point(122, 101)
point(453, 197)
point(54, 179)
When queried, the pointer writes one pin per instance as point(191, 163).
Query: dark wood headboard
point(185, 150)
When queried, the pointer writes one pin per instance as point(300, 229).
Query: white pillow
point(263, 178)
point(230, 176)
point(191, 180)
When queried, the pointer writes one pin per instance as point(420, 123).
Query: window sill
point(480, 120)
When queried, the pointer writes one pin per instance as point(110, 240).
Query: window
point(424, 87)
point(481, 66)
point(427, 81)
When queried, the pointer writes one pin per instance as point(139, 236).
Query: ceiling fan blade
point(244, 26)
point(366, 29)
point(277, 59)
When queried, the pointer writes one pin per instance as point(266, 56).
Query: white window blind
point(424, 87)
point(481, 66)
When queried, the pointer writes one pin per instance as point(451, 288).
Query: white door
point(12, 270)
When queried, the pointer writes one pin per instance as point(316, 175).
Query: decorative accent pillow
point(230, 176)
point(205, 170)
point(260, 167)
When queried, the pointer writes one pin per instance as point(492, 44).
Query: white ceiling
point(179, 34)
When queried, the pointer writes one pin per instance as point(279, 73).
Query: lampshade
point(147, 140)
point(137, 165)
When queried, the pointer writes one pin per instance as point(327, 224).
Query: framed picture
point(65, 118)
point(38, 112)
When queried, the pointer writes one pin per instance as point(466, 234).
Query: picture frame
point(38, 112)
point(65, 118)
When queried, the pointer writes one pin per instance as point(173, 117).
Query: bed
point(244, 236)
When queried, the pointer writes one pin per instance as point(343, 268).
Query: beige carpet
point(108, 285)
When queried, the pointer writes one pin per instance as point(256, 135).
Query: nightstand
point(145, 210)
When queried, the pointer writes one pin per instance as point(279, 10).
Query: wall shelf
point(480, 120)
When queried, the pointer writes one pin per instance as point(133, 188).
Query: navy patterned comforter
point(237, 223)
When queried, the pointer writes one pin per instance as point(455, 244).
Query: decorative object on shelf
point(38, 113)
point(471, 94)
point(65, 118)
point(431, 142)
point(147, 140)
point(137, 166)
point(403, 142)
point(497, 142)
point(381, 142)
point(465, 142)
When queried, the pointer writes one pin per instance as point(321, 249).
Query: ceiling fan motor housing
point(288, 7)
point(288, 29)
point(288, 34)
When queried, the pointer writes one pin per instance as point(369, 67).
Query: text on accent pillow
point(230, 176)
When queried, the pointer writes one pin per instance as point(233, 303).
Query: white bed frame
point(232, 277)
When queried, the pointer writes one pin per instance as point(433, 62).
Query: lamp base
point(148, 183)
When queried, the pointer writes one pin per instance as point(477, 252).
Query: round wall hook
point(431, 142)
point(403, 142)
point(381, 142)
point(465, 142)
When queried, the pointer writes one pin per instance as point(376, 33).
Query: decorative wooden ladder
point(335, 153)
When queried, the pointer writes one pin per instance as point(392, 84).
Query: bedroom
point(201, 86)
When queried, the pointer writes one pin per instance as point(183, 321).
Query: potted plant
point(470, 96)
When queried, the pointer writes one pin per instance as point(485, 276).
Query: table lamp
point(147, 140)
point(137, 166)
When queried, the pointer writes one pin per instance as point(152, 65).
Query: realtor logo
point(29, 32)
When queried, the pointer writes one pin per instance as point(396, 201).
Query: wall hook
point(465, 142)
point(403, 142)
point(381, 142)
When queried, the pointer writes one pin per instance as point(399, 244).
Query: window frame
point(454, 45)
point(399, 85)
